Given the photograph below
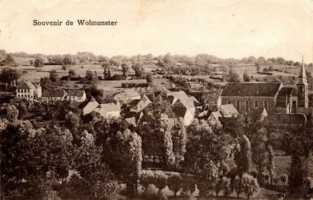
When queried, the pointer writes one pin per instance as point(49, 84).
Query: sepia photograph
point(156, 100)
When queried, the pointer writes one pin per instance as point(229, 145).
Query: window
point(247, 105)
point(256, 104)
point(265, 105)
point(228, 102)
point(238, 105)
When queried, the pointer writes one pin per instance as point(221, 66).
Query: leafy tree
point(242, 156)
point(233, 76)
point(71, 73)
point(296, 175)
point(46, 83)
point(3, 54)
point(174, 182)
point(31, 62)
point(125, 69)
point(53, 76)
point(9, 60)
point(246, 77)
point(250, 185)
point(147, 177)
point(122, 152)
point(39, 62)
point(149, 78)
point(9, 112)
point(161, 179)
point(139, 70)
point(9, 75)
point(237, 185)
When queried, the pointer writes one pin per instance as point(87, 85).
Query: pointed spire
point(302, 71)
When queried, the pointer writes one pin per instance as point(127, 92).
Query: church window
point(256, 104)
point(228, 102)
point(265, 105)
point(247, 105)
point(238, 105)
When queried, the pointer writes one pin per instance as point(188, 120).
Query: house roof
point(287, 91)
point(228, 110)
point(216, 114)
point(141, 104)
point(126, 95)
point(110, 107)
point(187, 101)
point(76, 93)
point(91, 105)
point(297, 119)
point(53, 93)
point(251, 89)
point(27, 85)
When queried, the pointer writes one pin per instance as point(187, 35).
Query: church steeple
point(302, 87)
point(302, 75)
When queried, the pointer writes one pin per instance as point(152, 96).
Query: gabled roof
point(251, 89)
point(27, 85)
point(187, 101)
point(75, 93)
point(53, 93)
point(228, 110)
point(127, 95)
point(91, 105)
point(216, 114)
point(142, 104)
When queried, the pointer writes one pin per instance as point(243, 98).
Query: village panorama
point(89, 126)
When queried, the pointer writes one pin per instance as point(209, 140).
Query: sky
point(224, 28)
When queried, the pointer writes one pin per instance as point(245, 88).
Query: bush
point(175, 182)
point(152, 191)
point(250, 185)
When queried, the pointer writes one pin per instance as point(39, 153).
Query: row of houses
point(31, 91)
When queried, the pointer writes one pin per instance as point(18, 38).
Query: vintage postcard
point(156, 99)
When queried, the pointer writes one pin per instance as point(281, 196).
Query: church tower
point(302, 86)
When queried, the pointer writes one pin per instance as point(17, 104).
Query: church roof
point(302, 71)
point(27, 85)
point(251, 89)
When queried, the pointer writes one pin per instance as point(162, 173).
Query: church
point(274, 97)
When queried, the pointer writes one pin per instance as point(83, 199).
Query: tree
point(31, 62)
point(238, 185)
point(9, 75)
point(246, 77)
point(149, 77)
point(125, 69)
point(250, 185)
point(233, 76)
point(139, 70)
point(174, 182)
point(242, 155)
point(71, 73)
point(123, 153)
point(3, 54)
point(54, 76)
point(39, 62)
point(91, 76)
point(9, 60)
point(296, 175)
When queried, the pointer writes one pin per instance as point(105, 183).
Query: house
point(224, 111)
point(214, 117)
point(142, 104)
point(28, 90)
point(109, 110)
point(76, 95)
point(53, 95)
point(182, 105)
point(228, 110)
point(127, 96)
point(194, 86)
point(90, 106)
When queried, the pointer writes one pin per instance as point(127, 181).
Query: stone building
point(274, 97)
